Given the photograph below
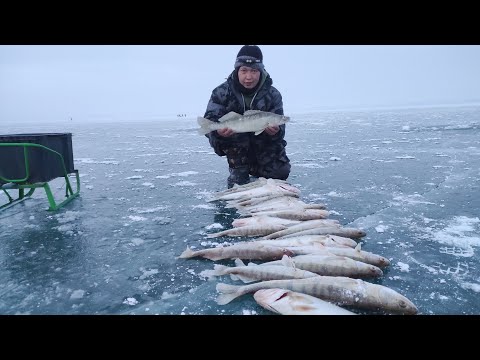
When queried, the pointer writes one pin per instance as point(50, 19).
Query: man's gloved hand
point(226, 132)
point(272, 130)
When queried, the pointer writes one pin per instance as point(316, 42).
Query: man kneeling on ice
point(258, 153)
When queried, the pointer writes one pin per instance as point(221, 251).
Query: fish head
point(267, 298)
point(359, 233)
point(288, 189)
point(278, 120)
point(375, 271)
point(408, 306)
point(398, 303)
point(288, 252)
point(384, 262)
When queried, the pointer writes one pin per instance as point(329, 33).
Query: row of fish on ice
point(313, 264)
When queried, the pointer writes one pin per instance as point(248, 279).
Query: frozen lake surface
point(410, 178)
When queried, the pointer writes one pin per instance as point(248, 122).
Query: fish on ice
point(263, 220)
point(256, 183)
point(250, 230)
point(329, 265)
point(253, 272)
point(287, 302)
point(317, 248)
point(239, 250)
point(352, 233)
point(304, 225)
point(303, 241)
point(269, 188)
point(337, 289)
point(296, 214)
point(251, 121)
point(327, 240)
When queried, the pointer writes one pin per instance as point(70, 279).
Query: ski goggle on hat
point(249, 61)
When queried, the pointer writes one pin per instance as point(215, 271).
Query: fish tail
point(220, 269)
point(214, 235)
point(210, 274)
point(228, 293)
point(204, 125)
point(189, 253)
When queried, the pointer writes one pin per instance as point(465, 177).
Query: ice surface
point(409, 178)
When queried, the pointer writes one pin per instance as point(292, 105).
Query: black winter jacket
point(226, 98)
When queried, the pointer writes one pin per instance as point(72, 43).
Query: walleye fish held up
point(251, 121)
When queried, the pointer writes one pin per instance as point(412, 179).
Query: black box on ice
point(44, 165)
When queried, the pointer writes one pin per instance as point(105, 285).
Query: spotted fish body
point(251, 121)
point(339, 290)
point(240, 251)
point(254, 272)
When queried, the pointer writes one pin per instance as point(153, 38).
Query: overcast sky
point(56, 83)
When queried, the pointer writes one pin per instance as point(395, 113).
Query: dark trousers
point(256, 158)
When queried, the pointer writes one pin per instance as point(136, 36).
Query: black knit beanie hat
point(251, 56)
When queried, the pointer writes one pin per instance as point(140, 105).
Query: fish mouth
point(375, 271)
point(408, 307)
point(384, 262)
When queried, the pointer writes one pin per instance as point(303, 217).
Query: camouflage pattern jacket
point(226, 98)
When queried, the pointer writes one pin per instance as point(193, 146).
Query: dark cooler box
point(44, 165)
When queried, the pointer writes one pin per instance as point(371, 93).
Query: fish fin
point(252, 264)
point(202, 131)
point(259, 132)
point(252, 112)
point(204, 125)
point(210, 274)
point(234, 277)
point(244, 278)
point(239, 262)
point(188, 253)
point(275, 262)
point(287, 261)
point(227, 293)
point(358, 247)
point(220, 269)
point(230, 116)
